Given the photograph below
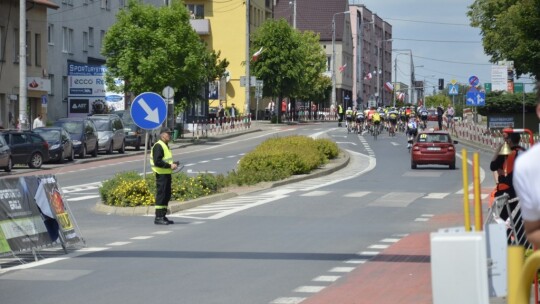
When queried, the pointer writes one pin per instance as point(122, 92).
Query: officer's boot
point(165, 217)
point(160, 217)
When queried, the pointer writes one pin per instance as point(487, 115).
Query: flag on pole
point(368, 76)
point(389, 86)
point(257, 54)
point(400, 96)
point(342, 68)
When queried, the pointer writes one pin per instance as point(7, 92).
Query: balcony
point(201, 26)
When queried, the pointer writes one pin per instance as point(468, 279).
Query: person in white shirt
point(38, 122)
point(527, 186)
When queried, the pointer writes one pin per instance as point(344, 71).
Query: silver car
point(111, 135)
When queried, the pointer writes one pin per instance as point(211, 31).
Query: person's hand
point(174, 166)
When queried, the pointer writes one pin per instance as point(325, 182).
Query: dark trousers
point(439, 120)
point(163, 189)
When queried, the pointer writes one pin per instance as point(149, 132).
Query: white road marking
point(290, 300)
point(189, 165)
point(346, 142)
point(368, 253)
point(395, 143)
point(428, 215)
point(81, 198)
point(309, 289)
point(231, 156)
point(203, 161)
point(390, 240)
point(421, 219)
point(118, 243)
point(219, 158)
point(356, 261)
point(341, 269)
point(326, 278)
point(144, 237)
point(357, 194)
point(436, 195)
point(162, 232)
point(377, 246)
point(315, 193)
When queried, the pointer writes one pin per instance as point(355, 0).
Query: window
point(85, 42)
point(2, 39)
point(37, 49)
point(102, 36)
point(122, 3)
point(65, 39)
point(90, 36)
point(71, 41)
point(50, 34)
point(16, 45)
point(197, 10)
point(106, 4)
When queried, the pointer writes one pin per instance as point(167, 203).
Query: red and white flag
point(368, 76)
point(401, 96)
point(389, 86)
point(342, 68)
point(255, 56)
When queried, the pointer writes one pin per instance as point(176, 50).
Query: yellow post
point(516, 256)
point(476, 189)
point(464, 169)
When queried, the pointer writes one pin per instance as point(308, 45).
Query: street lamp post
point(334, 57)
point(379, 44)
point(412, 69)
point(360, 64)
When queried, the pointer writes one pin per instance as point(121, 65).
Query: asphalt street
point(279, 245)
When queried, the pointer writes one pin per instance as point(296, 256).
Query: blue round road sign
point(148, 110)
point(474, 81)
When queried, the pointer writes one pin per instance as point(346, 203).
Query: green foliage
point(292, 62)
point(126, 189)
point(436, 100)
point(501, 102)
point(274, 159)
point(510, 31)
point(152, 47)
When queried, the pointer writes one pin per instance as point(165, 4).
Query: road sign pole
point(453, 104)
point(145, 154)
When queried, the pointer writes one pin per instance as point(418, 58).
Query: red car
point(432, 115)
point(433, 148)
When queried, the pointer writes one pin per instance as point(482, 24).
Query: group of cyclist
point(390, 118)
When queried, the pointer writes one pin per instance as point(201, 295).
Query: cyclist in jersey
point(348, 117)
point(412, 130)
point(423, 112)
point(360, 121)
point(393, 115)
point(376, 119)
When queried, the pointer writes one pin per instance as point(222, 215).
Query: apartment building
point(37, 83)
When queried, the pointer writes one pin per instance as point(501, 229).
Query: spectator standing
point(233, 115)
point(440, 112)
point(38, 122)
point(221, 115)
point(527, 186)
point(161, 161)
point(502, 166)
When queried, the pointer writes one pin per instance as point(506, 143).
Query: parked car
point(83, 133)
point(60, 143)
point(110, 130)
point(5, 155)
point(433, 147)
point(135, 136)
point(432, 115)
point(27, 147)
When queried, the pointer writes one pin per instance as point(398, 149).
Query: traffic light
point(441, 84)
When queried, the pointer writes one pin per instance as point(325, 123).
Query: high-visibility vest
point(340, 109)
point(167, 157)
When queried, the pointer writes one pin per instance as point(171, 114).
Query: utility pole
point(395, 81)
point(23, 116)
point(294, 14)
point(248, 59)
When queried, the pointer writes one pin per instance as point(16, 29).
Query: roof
point(314, 15)
point(47, 3)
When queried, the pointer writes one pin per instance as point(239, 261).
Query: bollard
point(464, 169)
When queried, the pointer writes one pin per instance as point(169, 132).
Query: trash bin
point(178, 131)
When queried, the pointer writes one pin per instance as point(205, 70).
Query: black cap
point(165, 130)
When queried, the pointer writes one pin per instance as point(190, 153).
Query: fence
point(204, 128)
point(484, 136)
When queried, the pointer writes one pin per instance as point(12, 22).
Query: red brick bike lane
point(399, 274)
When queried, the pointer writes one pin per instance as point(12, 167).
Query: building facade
point(37, 83)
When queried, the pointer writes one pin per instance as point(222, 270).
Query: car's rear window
point(433, 138)
point(49, 135)
point(102, 124)
point(73, 127)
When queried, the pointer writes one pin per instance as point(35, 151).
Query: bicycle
point(376, 130)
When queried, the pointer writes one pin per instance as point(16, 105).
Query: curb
point(334, 165)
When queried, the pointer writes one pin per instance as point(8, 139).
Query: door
point(21, 148)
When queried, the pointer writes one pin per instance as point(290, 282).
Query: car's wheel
point(72, 154)
point(61, 158)
point(83, 152)
point(452, 166)
point(138, 144)
point(110, 149)
point(9, 165)
point(36, 161)
point(94, 153)
point(122, 149)
point(413, 165)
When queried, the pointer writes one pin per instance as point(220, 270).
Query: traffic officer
point(162, 164)
point(340, 113)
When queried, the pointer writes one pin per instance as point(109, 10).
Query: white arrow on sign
point(151, 115)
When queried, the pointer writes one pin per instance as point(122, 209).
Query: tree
point(436, 100)
point(150, 48)
point(510, 31)
point(312, 85)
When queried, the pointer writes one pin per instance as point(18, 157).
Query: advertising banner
point(499, 78)
point(21, 224)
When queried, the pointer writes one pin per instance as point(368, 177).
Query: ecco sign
point(98, 81)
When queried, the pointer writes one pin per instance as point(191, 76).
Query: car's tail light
point(450, 148)
point(416, 148)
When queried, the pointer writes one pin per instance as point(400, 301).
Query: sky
point(450, 47)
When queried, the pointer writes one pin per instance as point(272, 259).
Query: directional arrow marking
point(151, 115)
